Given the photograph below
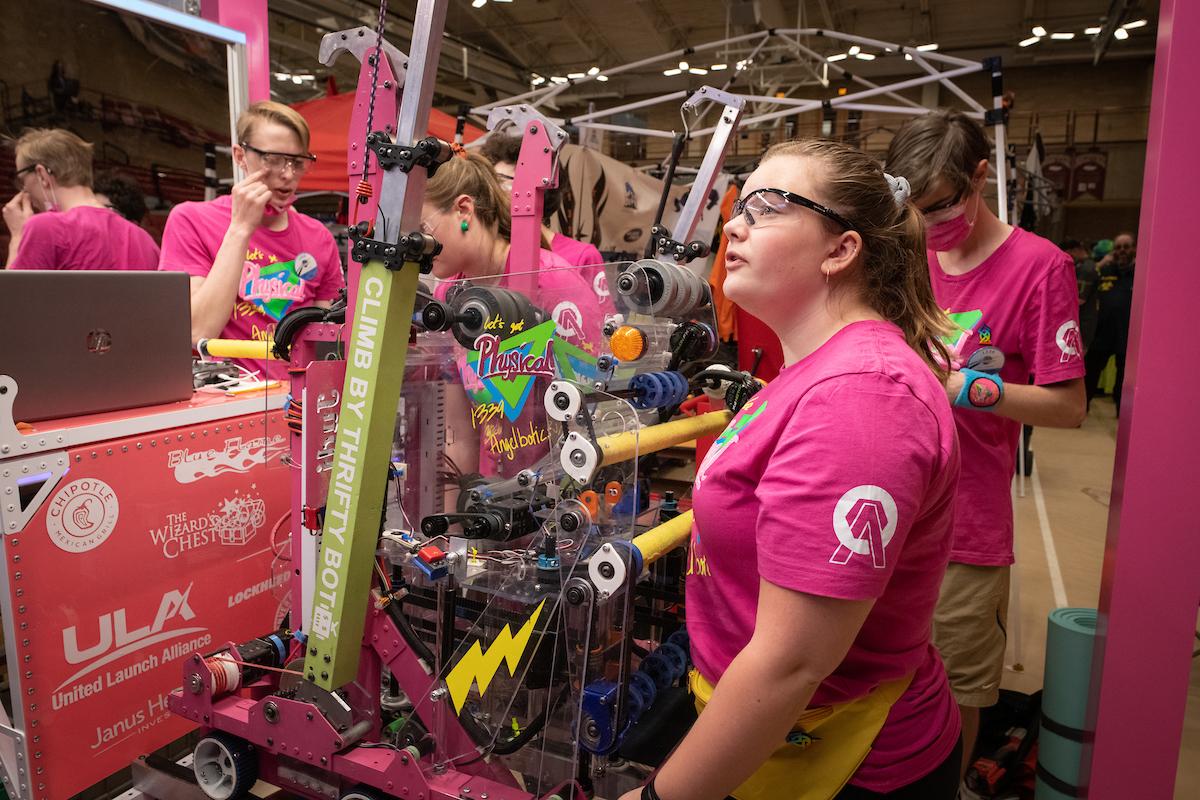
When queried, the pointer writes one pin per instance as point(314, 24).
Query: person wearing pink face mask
point(251, 256)
point(55, 219)
point(1011, 296)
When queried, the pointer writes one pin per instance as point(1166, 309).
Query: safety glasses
point(19, 176)
point(277, 162)
point(763, 204)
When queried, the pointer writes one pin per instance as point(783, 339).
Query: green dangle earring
point(464, 226)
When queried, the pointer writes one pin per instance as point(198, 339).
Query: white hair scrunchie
point(900, 188)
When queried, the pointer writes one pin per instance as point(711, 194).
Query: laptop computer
point(82, 342)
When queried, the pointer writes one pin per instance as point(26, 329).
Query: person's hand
point(250, 197)
point(17, 212)
point(954, 385)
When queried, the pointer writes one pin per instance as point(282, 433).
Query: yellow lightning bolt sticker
point(479, 665)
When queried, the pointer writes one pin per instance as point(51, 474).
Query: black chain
point(383, 4)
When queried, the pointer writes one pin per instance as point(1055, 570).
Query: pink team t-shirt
point(838, 480)
point(1023, 301)
point(582, 254)
point(282, 270)
point(86, 237)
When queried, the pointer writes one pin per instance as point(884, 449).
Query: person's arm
point(214, 295)
point(17, 212)
point(1056, 405)
point(799, 639)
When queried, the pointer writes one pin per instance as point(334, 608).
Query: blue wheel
point(226, 767)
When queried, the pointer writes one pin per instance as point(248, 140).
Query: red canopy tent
point(329, 120)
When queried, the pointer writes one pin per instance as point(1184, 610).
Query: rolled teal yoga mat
point(1069, 640)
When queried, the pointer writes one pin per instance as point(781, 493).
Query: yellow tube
point(657, 542)
point(235, 348)
point(624, 446)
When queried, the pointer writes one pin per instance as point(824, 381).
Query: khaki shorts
point(970, 631)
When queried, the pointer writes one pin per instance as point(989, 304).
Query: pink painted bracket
point(537, 171)
point(392, 67)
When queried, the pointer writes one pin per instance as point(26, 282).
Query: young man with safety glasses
point(55, 219)
point(251, 256)
point(1011, 299)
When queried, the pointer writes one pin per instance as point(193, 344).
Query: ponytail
point(894, 277)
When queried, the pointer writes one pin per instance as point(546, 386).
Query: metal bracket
point(660, 235)
point(995, 116)
point(707, 94)
point(521, 115)
point(360, 43)
point(411, 247)
point(431, 152)
point(48, 468)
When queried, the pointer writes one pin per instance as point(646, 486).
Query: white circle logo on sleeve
point(864, 521)
point(1067, 339)
point(568, 320)
point(82, 515)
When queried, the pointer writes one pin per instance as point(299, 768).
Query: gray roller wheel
point(226, 767)
point(363, 793)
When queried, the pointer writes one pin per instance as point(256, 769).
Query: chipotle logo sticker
point(82, 515)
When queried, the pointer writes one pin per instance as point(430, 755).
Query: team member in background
point(1115, 295)
point(55, 220)
point(1086, 281)
point(122, 195)
point(468, 212)
point(504, 152)
point(251, 256)
point(824, 511)
point(1012, 299)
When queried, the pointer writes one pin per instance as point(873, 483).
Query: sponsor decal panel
point(124, 574)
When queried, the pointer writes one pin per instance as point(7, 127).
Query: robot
point(506, 627)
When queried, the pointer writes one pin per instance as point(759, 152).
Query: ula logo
point(115, 638)
point(864, 521)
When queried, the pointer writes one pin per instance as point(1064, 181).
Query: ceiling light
point(719, 67)
point(538, 80)
point(1029, 41)
point(297, 79)
point(1121, 33)
point(672, 71)
point(1062, 36)
point(502, 1)
point(865, 56)
point(698, 71)
point(575, 75)
point(855, 50)
point(907, 57)
point(478, 3)
point(602, 78)
point(1137, 23)
point(683, 65)
point(558, 79)
point(594, 71)
point(283, 76)
point(1092, 31)
point(1039, 31)
point(837, 57)
point(925, 48)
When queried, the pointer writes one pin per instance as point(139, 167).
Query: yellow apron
point(824, 750)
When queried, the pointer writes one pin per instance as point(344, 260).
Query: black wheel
point(226, 767)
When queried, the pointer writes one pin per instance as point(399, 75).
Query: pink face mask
point(949, 232)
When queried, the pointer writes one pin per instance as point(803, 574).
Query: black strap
point(1066, 731)
point(1059, 785)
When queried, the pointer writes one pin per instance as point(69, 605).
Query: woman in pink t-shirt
point(823, 512)
point(468, 212)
